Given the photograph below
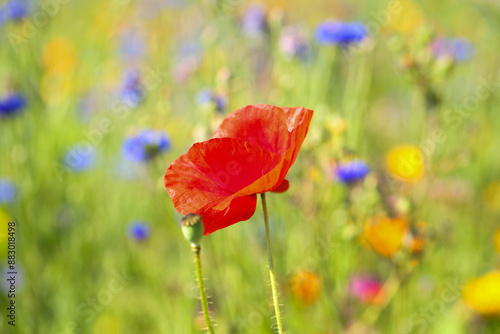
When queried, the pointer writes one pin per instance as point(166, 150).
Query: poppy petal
point(282, 187)
point(262, 125)
point(234, 164)
point(240, 209)
point(219, 178)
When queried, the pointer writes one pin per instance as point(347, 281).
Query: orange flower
point(305, 286)
point(385, 234)
point(483, 294)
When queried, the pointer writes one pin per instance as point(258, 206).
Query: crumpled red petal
point(205, 179)
point(250, 153)
point(282, 187)
point(281, 130)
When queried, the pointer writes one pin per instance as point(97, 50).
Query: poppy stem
point(274, 286)
point(203, 296)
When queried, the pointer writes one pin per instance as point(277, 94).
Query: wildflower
point(139, 231)
point(405, 163)
point(483, 294)
point(131, 89)
point(250, 153)
point(13, 10)
point(367, 289)
point(189, 60)
point(11, 104)
point(253, 22)
point(351, 171)
point(8, 191)
point(80, 158)
point(491, 196)
point(59, 56)
point(146, 145)
point(305, 286)
point(4, 231)
point(385, 234)
point(293, 42)
point(208, 96)
point(132, 45)
point(408, 19)
point(340, 33)
point(457, 49)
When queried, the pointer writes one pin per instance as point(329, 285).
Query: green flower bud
point(192, 228)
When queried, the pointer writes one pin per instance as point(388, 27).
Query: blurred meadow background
point(391, 223)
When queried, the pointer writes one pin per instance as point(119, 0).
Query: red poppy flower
point(250, 153)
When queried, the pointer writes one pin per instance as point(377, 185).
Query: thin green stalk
point(203, 296)
point(274, 286)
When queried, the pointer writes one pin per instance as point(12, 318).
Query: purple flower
point(253, 22)
point(131, 89)
point(457, 49)
point(351, 171)
point(80, 158)
point(11, 104)
point(293, 42)
point(340, 33)
point(132, 44)
point(139, 231)
point(14, 10)
point(145, 146)
point(208, 96)
point(8, 191)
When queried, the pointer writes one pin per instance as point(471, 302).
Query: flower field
point(226, 166)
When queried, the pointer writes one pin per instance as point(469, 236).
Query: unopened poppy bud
point(192, 228)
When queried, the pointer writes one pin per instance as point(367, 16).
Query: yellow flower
point(336, 126)
point(305, 286)
point(106, 324)
point(59, 56)
point(405, 163)
point(4, 231)
point(385, 235)
point(491, 196)
point(483, 294)
point(407, 17)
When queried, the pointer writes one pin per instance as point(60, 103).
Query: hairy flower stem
point(204, 304)
point(271, 268)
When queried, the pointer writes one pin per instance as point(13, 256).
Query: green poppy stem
point(203, 296)
point(274, 286)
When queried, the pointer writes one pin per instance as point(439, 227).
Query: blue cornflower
point(457, 49)
point(8, 191)
point(11, 104)
point(14, 10)
point(132, 44)
point(351, 171)
point(131, 90)
point(80, 158)
point(139, 231)
point(253, 22)
point(207, 96)
point(340, 33)
point(146, 145)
